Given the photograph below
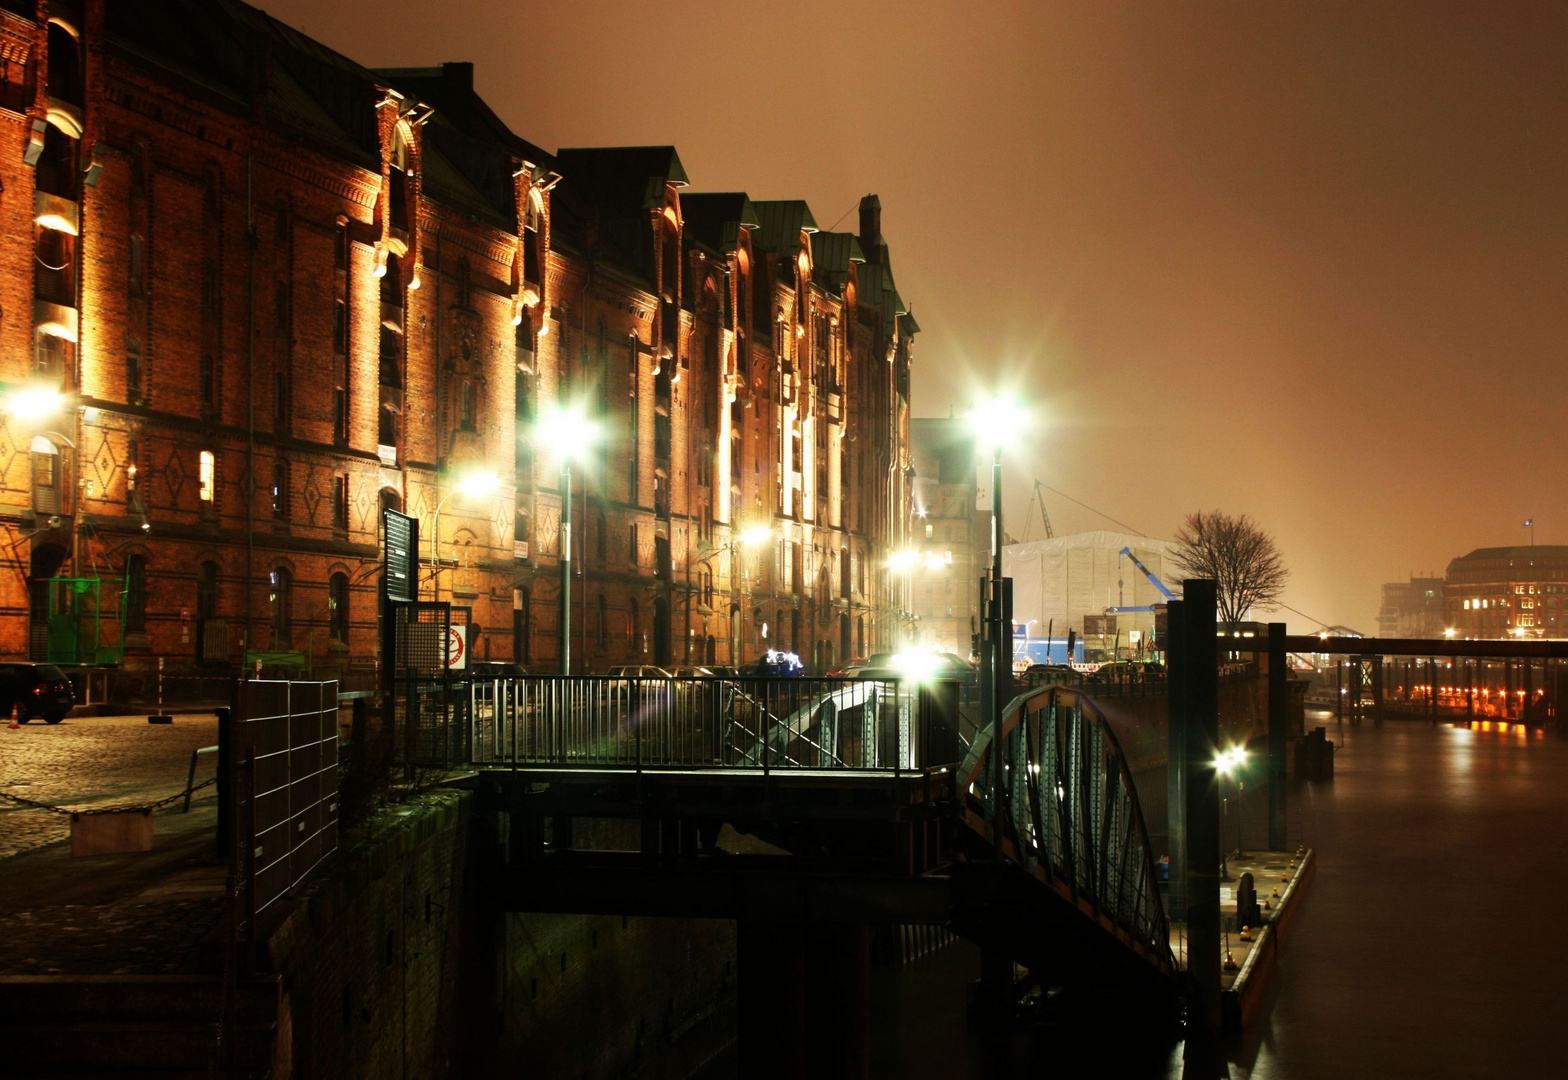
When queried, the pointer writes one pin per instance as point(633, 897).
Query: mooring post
point(1176, 759)
point(1201, 694)
point(1278, 703)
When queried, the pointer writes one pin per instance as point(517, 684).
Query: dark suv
point(40, 689)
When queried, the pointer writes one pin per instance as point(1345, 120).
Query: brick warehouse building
point(251, 258)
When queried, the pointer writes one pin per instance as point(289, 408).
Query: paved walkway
point(95, 761)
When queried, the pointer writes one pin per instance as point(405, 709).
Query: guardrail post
point(1278, 702)
point(1201, 693)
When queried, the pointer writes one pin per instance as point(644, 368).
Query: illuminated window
point(209, 475)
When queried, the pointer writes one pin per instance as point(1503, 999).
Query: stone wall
point(397, 959)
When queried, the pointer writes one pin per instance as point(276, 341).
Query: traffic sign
point(457, 647)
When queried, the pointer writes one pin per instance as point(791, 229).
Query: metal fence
point(1070, 809)
point(610, 722)
point(288, 731)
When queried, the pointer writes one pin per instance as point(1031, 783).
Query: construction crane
point(1039, 497)
point(1156, 582)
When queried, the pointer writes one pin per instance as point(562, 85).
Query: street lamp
point(567, 432)
point(994, 423)
point(1230, 763)
point(478, 485)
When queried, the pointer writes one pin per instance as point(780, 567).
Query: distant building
point(1412, 609)
point(1508, 591)
point(951, 535)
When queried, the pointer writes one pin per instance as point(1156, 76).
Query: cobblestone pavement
point(95, 761)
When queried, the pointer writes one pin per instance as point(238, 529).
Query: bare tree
point(1238, 555)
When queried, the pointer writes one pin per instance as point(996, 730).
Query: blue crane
point(1156, 582)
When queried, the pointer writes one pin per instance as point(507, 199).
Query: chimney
point(870, 223)
point(458, 76)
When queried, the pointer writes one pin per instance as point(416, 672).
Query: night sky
point(1303, 261)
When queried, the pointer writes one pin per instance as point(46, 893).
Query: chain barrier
point(34, 804)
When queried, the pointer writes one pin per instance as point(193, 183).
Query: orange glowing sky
point(1305, 261)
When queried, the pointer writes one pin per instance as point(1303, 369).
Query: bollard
point(160, 717)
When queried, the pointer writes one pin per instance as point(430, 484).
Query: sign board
point(400, 556)
point(1134, 636)
point(457, 648)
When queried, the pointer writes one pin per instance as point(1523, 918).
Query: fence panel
point(291, 732)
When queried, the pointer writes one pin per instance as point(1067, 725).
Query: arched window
point(466, 406)
point(337, 608)
point(282, 582)
point(136, 593)
point(604, 621)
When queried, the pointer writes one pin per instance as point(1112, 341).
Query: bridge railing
point(1069, 810)
point(607, 722)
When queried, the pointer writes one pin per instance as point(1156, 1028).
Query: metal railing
point(1069, 812)
point(880, 725)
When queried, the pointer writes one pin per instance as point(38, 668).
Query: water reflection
point(1426, 946)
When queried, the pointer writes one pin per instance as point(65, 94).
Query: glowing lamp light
point(996, 422)
point(477, 485)
point(901, 561)
point(34, 402)
point(1230, 761)
point(757, 534)
point(566, 431)
point(916, 666)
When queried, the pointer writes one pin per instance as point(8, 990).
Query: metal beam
point(1520, 649)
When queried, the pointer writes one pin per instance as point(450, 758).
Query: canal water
point(1433, 941)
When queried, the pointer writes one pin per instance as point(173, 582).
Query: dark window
point(340, 327)
point(280, 305)
point(340, 502)
point(386, 432)
point(209, 381)
point(604, 622)
point(282, 582)
point(466, 406)
point(136, 593)
point(207, 591)
point(209, 287)
point(135, 271)
point(337, 608)
point(340, 415)
point(280, 491)
point(280, 402)
point(133, 370)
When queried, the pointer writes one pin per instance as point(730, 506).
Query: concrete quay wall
point(397, 964)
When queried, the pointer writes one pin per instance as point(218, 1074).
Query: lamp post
point(993, 424)
point(474, 485)
point(567, 432)
point(1229, 763)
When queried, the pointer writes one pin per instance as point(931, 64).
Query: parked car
point(691, 671)
point(844, 668)
point(637, 671)
point(490, 669)
point(40, 689)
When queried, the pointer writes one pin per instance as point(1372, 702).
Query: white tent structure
point(1058, 582)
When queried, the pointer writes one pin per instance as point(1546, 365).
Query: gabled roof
point(613, 189)
point(781, 221)
point(832, 253)
point(450, 88)
point(716, 218)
